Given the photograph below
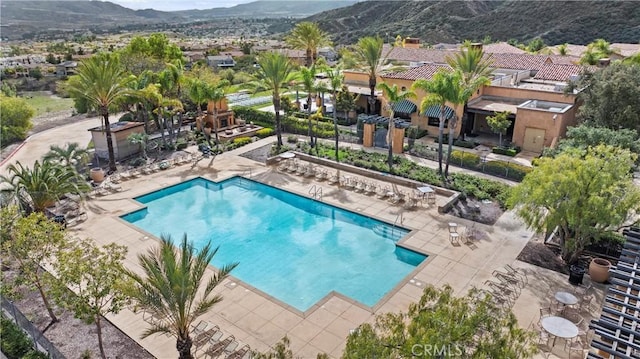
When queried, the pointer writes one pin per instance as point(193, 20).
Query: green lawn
point(43, 102)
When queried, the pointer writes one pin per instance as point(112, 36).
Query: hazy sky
point(171, 5)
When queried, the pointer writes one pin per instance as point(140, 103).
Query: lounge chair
point(334, 179)
point(383, 192)
point(360, 186)
point(284, 165)
point(218, 348)
point(240, 353)
point(321, 175)
point(205, 336)
point(310, 171)
point(371, 188)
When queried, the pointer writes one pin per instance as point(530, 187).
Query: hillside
point(268, 8)
point(578, 22)
point(19, 17)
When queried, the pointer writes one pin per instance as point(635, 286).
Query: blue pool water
point(290, 247)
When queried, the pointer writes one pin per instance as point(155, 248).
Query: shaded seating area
point(617, 331)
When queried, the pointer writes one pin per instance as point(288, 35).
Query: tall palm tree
point(171, 288)
point(393, 95)
point(444, 87)
point(197, 93)
point(102, 82)
point(216, 92)
point(41, 186)
point(476, 71)
point(563, 49)
point(336, 78)
point(307, 76)
point(308, 36)
point(369, 52)
point(275, 72)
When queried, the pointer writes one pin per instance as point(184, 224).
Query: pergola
point(382, 120)
point(617, 331)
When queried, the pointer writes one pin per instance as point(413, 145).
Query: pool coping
point(322, 301)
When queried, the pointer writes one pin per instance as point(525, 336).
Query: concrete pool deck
point(259, 321)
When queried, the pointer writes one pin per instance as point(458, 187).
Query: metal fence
point(40, 341)
point(505, 169)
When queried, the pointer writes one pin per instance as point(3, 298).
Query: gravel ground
point(259, 154)
point(72, 337)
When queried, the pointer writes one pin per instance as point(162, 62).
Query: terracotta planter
point(96, 174)
point(599, 270)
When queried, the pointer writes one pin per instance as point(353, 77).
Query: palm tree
point(215, 93)
point(42, 186)
point(336, 78)
point(369, 51)
point(171, 288)
point(308, 36)
point(101, 81)
point(445, 87)
point(275, 73)
point(475, 69)
point(72, 155)
point(393, 96)
point(307, 77)
point(563, 50)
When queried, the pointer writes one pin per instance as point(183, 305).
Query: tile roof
point(513, 61)
point(564, 60)
point(416, 55)
point(519, 61)
point(421, 72)
point(558, 72)
point(572, 50)
point(626, 50)
point(502, 48)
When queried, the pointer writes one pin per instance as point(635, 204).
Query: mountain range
point(20, 18)
point(578, 22)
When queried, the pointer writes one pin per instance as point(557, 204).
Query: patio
point(258, 320)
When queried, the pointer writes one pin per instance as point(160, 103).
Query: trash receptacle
point(576, 273)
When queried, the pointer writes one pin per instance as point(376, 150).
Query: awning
point(405, 106)
point(434, 111)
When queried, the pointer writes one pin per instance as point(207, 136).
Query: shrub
point(465, 159)
point(292, 139)
point(241, 141)
point(181, 144)
point(16, 119)
point(507, 151)
point(15, 343)
point(507, 169)
point(465, 144)
point(265, 132)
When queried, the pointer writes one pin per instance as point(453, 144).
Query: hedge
point(507, 169)
point(289, 124)
point(508, 151)
point(465, 159)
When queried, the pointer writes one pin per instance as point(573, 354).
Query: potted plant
point(599, 270)
point(96, 174)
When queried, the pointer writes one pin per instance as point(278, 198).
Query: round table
point(559, 327)
point(566, 298)
point(287, 155)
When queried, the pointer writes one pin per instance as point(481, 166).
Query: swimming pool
point(293, 248)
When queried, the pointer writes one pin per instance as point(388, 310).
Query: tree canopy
point(610, 97)
point(444, 326)
point(582, 193)
point(16, 119)
point(585, 136)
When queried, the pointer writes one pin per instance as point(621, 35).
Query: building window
point(434, 121)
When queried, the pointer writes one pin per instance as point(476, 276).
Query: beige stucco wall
point(541, 119)
point(526, 94)
point(356, 78)
point(416, 118)
point(122, 148)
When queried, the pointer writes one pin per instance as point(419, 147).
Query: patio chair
point(508, 279)
point(113, 187)
point(310, 171)
point(410, 203)
point(546, 312)
point(75, 217)
point(578, 345)
point(200, 327)
point(346, 182)
point(321, 174)
point(334, 179)
point(501, 288)
point(383, 192)
point(302, 169)
point(360, 186)
point(218, 348)
point(240, 353)
point(205, 336)
point(371, 188)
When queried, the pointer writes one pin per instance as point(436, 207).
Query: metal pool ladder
point(316, 192)
point(401, 219)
